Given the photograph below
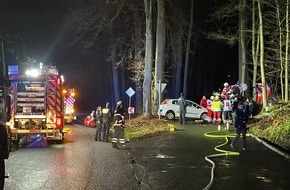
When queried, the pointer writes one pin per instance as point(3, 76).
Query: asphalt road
point(80, 163)
point(174, 160)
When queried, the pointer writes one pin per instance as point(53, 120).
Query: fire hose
point(218, 134)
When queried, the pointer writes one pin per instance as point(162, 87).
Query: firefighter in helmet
point(119, 125)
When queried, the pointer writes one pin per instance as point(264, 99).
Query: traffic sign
point(161, 86)
point(131, 110)
point(130, 92)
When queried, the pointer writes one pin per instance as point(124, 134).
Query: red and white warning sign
point(131, 110)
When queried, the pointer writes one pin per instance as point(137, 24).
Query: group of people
point(221, 108)
point(228, 109)
point(104, 118)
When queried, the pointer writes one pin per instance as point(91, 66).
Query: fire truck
point(69, 100)
point(36, 105)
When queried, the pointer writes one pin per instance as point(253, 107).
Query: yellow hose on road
point(218, 134)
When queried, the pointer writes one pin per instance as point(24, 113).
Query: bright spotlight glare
point(32, 72)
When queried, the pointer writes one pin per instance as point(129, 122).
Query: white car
point(170, 109)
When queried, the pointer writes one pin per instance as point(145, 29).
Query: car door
point(192, 110)
point(175, 107)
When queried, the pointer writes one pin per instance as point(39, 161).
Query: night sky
point(40, 27)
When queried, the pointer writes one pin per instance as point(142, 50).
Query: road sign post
point(160, 88)
point(130, 92)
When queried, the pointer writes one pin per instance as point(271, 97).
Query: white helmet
point(216, 97)
point(226, 84)
point(119, 103)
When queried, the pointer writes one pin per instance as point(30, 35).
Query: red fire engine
point(69, 101)
point(36, 103)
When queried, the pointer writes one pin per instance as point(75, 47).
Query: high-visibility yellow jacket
point(216, 105)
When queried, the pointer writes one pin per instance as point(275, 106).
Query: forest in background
point(105, 47)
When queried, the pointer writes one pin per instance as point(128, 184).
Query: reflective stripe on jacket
point(208, 104)
point(227, 106)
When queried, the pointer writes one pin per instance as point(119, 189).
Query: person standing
point(203, 102)
point(119, 125)
point(98, 123)
point(225, 90)
point(227, 112)
point(107, 115)
point(241, 118)
point(216, 107)
point(182, 109)
point(208, 106)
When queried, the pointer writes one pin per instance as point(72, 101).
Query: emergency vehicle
point(69, 102)
point(36, 105)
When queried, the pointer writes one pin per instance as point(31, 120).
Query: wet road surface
point(173, 161)
point(78, 164)
point(176, 160)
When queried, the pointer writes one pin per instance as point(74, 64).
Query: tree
point(261, 37)
point(148, 60)
point(255, 50)
point(160, 46)
point(242, 41)
point(188, 43)
point(286, 52)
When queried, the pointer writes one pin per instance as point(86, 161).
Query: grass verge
point(141, 127)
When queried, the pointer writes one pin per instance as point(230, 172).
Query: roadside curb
point(284, 154)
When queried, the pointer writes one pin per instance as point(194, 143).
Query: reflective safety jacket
point(106, 112)
point(208, 104)
point(227, 105)
point(216, 105)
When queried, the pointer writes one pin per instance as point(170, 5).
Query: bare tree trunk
point(280, 47)
point(286, 53)
point(115, 69)
point(255, 50)
point(243, 48)
point(177, 52)
point(148, 60)
point(138, 57)
point(160, 46)
point(261, 36)
point(189, 34)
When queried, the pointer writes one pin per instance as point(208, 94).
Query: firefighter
point(225, 90)
point(216, 107)
point(208, 106)
point(119, 125)
point(107, 115)
point(227, 112)
point(98, 123)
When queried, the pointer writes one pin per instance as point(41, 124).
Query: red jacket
point(203, 102)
